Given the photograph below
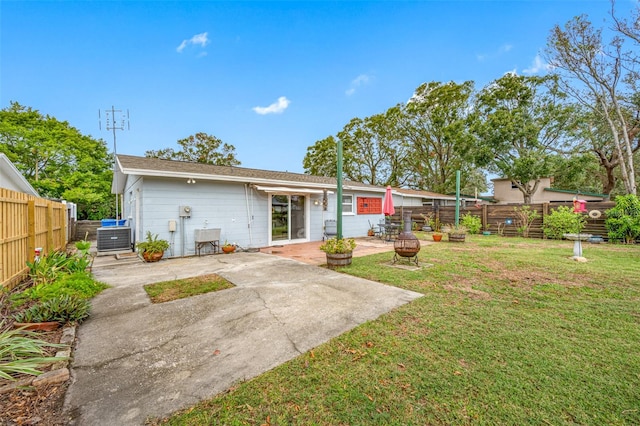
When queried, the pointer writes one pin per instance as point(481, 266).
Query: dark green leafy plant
point(63, 309)
point(79, 284)
point(563, 221)
point(623, 220)
point(48, 268)
point(472, 223)
point(22, 352)
point(152, 244)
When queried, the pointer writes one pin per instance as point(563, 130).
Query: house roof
point(11, 178)
point(143, 166)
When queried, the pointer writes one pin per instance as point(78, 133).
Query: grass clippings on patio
point(509, 331)
point(167, 291)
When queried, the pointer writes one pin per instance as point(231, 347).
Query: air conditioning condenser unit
point(114, 238)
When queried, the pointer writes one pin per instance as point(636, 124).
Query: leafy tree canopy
point(57, 160)
point(199, 148)
point(435, 129)
point(521, 122)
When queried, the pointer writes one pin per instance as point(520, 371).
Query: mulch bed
point(42, 405)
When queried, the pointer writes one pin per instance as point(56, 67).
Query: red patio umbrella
point(387, 205)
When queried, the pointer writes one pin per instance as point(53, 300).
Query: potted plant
point(152, 248)
point(457, 233)
point(435, 224)
point(372, 230)
point(83, 246)
point(339, 251)
point(228, 247)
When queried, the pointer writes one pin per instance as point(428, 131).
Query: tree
point(520, 123)
point(579, 172)
point(57, 160)
point(199, 148)
point(435, 129)
point(371, 152)
point(321, 158)
point(598, 71)
point(375, 154)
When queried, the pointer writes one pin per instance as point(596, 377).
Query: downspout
point(339, 191)
point(249, 216)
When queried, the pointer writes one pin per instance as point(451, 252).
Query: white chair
point(330, 229)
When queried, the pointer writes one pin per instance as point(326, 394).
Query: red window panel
point(369, 205)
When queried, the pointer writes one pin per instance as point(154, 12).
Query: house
point(505, 192)
point(252, 208)
point(11, 178)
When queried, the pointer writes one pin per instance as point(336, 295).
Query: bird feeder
point(579, 206)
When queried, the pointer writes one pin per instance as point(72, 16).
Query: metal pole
point(339, 192)
point(112, 124)
point(457, 197)
point(115, 167)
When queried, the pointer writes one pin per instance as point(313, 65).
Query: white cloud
point(361, 80)
point(505, 48)
point(198, 39)
point(537, 66)
point(277, 107)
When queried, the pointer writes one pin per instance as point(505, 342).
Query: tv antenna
point(115, 119)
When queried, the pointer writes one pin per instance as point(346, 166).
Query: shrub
point(22, 352)
point(623, 220)
point(79, 284)
point(48, 268)
point(63, 309)
point(563, 221)
point(472, 223)
point(524, 218)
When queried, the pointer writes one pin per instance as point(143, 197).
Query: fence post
point(31, 230)
point(545, 212)
point(484, 217)
point(63, 227)
point(50, 245)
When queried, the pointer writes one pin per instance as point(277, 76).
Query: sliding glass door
point(288, 217)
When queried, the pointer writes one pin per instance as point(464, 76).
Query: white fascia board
point(224, 178)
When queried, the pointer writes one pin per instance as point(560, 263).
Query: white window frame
point(346, 213)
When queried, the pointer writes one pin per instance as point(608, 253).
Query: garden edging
point(59, 373)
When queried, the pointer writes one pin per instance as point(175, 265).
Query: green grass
point(167, 291)
point(509, 331)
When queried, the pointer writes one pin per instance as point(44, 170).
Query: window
point(368, 205)
point(347, 204)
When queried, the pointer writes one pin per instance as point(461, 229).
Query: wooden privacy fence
point(502, 218)
point(27, 223)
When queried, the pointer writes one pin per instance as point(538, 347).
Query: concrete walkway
point(135, 360)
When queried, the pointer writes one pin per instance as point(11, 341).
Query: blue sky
point(270, 78)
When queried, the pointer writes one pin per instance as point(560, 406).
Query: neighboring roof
point(416, 193)
point(143, 166)
point(11, 178)
point(576, 193)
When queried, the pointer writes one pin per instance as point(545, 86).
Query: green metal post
point(339, 194)
point(457, 197)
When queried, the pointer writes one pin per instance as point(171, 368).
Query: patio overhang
point(289, 190)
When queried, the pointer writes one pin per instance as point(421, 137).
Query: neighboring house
point(253, 208)
point(505, 192)
point(11, 178)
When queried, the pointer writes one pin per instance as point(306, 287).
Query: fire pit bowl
point(406, 245)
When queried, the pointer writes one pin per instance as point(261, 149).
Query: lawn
point(509, 331)
point(167, 291)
